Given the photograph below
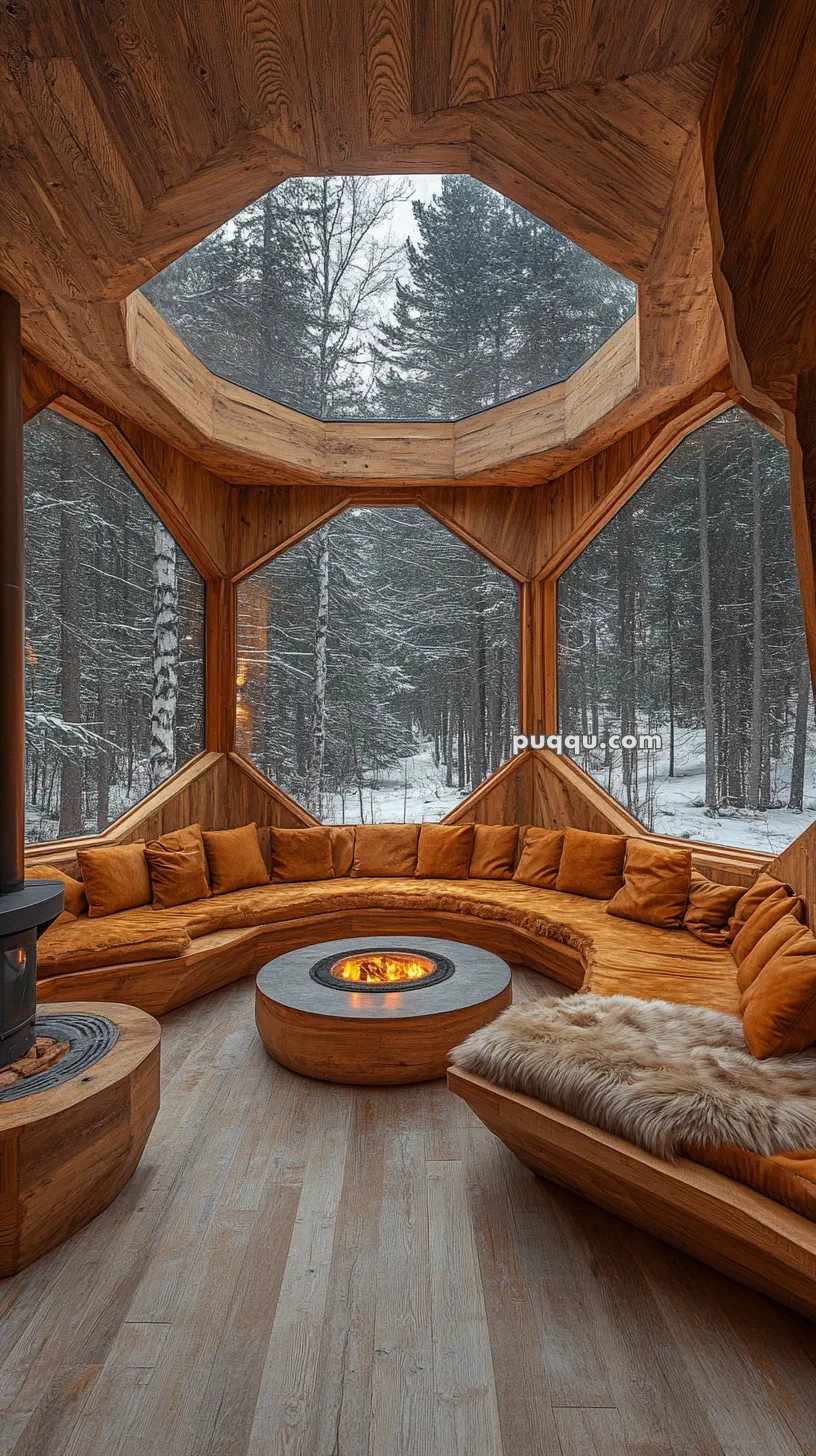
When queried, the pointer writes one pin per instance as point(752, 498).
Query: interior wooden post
point(219, 692)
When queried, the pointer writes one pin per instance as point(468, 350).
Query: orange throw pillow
point(75, 899)
point(301, 854)
point(779, 1008)
point(494, 851)
point(342, 843)
point(591, 864)
point(116, 878)
point(766, 914)
point(385, 850)
point(235, 859)
point(710, 907)
point(540, 858)
point(765, 949)
point(178, 867)
point(444, 851)
point(763, 886)
point(656, 881)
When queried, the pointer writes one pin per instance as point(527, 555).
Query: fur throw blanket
point(660, 1075)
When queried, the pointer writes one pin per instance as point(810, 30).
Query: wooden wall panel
point(506, 798)
point(797, 866)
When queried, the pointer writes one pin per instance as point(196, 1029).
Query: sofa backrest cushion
point(778, 934)
point(178, 867)
point(776, 905)
point(540, 857)
point(444, 851)
point(116, 878)
point(591, 864)
point(301, 854)
point(76, 901)
point(779, 1007)
point(235, 859)
point(385, 850)
point(763, 886)
point(656, 882)
point(342, 843)
point(494, 851)
point(710, 907)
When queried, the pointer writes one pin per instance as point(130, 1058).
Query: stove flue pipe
point(12, 666)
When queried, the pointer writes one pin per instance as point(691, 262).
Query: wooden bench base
point(721, 1222)
point(226, 955)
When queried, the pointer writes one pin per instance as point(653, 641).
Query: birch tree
point(165, 655)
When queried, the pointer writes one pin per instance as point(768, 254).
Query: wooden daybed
point(751, 1217)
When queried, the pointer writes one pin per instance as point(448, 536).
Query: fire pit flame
point(381, 969)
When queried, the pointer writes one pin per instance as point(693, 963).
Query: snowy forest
point(114, 685)
point(378, 668)
point(683, 618)
point(390, 298)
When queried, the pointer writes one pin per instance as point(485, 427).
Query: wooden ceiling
point(131, 128)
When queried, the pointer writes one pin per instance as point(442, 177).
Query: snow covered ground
point(679, 802)
point(390, 801)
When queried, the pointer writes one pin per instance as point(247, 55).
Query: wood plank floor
point(323, 1271)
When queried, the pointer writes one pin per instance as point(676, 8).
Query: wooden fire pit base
point(66, 1152)
point(377, 1037)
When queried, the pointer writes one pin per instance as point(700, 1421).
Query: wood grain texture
point(281, 1270)
point(382, 1053)
point(732, 1228)
point(67, 1152)
point(224, 956)
point(131, 139)
point(760, 163)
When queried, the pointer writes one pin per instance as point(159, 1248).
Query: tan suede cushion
point(656, 880)
point(766, 914)
point(116, 878)
point(342, 843)
point(763, 886)
point(591, 864)
point(444, 851)
point(385, 850)
point(301, 854)
point(76, 901)
point(540, 857)
point(779, 1007)
point(494, 851)
point(178, 867)
point(83, 944)
point(710, 907)
point(235, 859)
point(783, 930)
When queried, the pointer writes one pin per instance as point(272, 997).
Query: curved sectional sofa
point(748, 1215)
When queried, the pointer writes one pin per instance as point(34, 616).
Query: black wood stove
point(25, 909)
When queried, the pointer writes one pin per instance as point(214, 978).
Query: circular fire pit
point(377, 1011)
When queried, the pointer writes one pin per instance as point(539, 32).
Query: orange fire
point(383, 969)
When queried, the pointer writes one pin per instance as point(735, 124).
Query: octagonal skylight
point(402, 298)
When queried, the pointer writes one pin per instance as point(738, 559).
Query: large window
point(390, 298)
point(682, 618)
point(378, 668)
point(114, 637)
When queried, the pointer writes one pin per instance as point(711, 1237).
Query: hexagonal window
point(682, 619)
point(378, 668)
point(422, 298)
point(114, 621)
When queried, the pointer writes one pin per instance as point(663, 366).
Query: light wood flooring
point(326, 1271)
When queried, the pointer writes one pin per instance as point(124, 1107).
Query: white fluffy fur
point(662, 1076)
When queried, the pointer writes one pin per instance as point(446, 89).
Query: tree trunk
point(708, 656)
point(165, 656)
point(755, 760)
point(317, 747)
point(70, 821)
point(626, 655)
point(796, 799)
